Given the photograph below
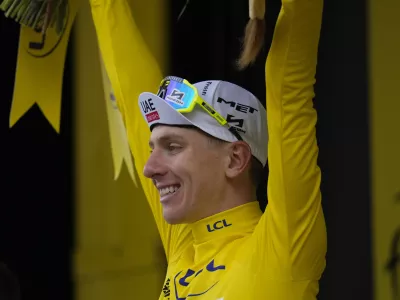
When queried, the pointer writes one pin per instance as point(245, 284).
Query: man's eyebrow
point(166, 138)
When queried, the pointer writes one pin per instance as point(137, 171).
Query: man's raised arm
point(293, 227)
point(132, 70)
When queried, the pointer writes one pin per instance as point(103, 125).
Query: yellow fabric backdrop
point(119, 254)
point(384, 49)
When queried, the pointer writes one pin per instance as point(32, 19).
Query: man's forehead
point(163, 132)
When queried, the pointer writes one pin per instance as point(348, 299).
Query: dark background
point(36, 202)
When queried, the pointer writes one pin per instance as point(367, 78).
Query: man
point(208, 142)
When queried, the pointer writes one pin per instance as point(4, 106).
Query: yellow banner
point(112, 216)
point(118, 137)
point(384, 62)
point(40, 68)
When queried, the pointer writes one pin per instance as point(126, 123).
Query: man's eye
point(173, 147)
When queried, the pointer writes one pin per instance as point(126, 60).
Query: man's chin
point(172, 217)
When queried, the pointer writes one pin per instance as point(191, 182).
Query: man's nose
point(154, 166)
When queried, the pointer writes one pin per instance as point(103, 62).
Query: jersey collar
point(240, 220)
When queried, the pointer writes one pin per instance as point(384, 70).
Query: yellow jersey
point(241, 253)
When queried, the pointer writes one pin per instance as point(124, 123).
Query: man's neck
point(235, 197)
point(225, 201)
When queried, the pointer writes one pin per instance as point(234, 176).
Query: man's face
point(187, 170)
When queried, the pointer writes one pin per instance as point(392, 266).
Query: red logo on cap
point(153, 116)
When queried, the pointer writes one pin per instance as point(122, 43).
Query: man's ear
point(239, 158)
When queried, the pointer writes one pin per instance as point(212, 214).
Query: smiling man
point(209, 143)
point(200, 164)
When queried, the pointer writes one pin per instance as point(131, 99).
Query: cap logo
point(149, 110)
point(236, 123)
point(205, 89)
point(147, 105)
point(153, 116)
point(238, 106)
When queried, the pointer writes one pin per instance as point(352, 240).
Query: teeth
point(168, 190)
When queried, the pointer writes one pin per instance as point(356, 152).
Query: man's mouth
point(169, 190)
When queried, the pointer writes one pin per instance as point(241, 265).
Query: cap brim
point(156, 111)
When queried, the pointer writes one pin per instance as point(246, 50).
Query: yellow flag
point(40, 68)
point(119, 140)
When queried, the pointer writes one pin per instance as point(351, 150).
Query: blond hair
point(253, 35)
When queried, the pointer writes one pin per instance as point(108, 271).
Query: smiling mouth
point(169, 190)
